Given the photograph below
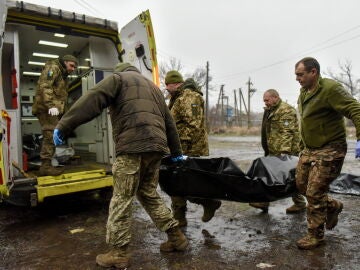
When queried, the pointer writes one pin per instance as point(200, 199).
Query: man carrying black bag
point(187, 108)
point(280, 135)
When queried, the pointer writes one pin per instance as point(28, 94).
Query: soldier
point(143, 129)
point(280, 135)
point(49, 105)
point(322, 104)
point(187, 108)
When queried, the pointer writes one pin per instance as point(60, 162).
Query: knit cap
point(173, 76)
point(71, 58)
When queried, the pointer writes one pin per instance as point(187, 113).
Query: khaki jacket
point(187, 109)
point(51, 88)
point(280, 130)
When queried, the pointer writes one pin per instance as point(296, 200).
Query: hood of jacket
point(60, 63)
point(191, 84)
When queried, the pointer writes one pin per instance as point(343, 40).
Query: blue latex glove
point(178, 158)
point(357, 149)
point(58, 137)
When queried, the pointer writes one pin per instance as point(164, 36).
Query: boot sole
point(117, 266)
point(321, 242)
point(182, 247)
point(336, 219)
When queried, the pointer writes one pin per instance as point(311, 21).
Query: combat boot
point(47, 169)
point(209, 210)
point(116, 257)
point(296, 208)
point(264, 206)
point(333, 216)
point(176, 241)
point(311, 240)
point(180, 216)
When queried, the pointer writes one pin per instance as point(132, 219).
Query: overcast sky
point(261, 39)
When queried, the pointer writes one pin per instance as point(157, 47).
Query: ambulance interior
point(25, 50)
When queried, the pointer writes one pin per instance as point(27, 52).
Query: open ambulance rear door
point(99, 47)
point(3, 116)
point(138, 44)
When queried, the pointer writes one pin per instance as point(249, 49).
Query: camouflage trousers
point(135, 174)
point(48, 124)
point(314, 173)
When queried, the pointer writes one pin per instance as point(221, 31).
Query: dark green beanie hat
point(121, 67)
point(71, 58)
point(173, 76)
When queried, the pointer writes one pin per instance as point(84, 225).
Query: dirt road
point(68, 232)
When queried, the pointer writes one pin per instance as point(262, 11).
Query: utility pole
point(236, 109)
point(243, 100)
point(222, 104)
point(221, 94)
point(251, 91)
point(226, 118)
point(240, 95)
point(207, 93)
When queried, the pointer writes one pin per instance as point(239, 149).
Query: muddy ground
point(68, 232)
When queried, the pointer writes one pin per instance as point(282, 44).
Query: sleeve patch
point(50, 74)
point(195, 109)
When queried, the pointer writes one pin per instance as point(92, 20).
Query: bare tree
point(164, 67)
point(199, 74)
point(346, 78)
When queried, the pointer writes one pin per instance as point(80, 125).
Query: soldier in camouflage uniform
point(323, 103)
point(143, 132)
point(187, 108)
point(280, 135)
point(49, 105)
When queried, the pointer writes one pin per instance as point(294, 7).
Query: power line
point(92, 7)
point(312, 49)
point(169, 56)
point(309, 50)
point(83, 6)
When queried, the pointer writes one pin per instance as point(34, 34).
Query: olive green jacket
point(280, 130)
point(51, 91)
point(140, 119)
point(321, 114)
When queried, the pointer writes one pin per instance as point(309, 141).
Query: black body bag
point(268, 179)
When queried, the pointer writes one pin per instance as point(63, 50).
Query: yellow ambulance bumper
point(48, 186)
point(4, 192)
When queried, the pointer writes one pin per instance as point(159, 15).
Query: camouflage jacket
point(187, 109)
point(140, 119)
point(280, 130)
point(51, 88)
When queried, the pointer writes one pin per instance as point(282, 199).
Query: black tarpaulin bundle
point(346, 184)
point(268, 179)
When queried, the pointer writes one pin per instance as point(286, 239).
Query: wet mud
point(68, 232)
